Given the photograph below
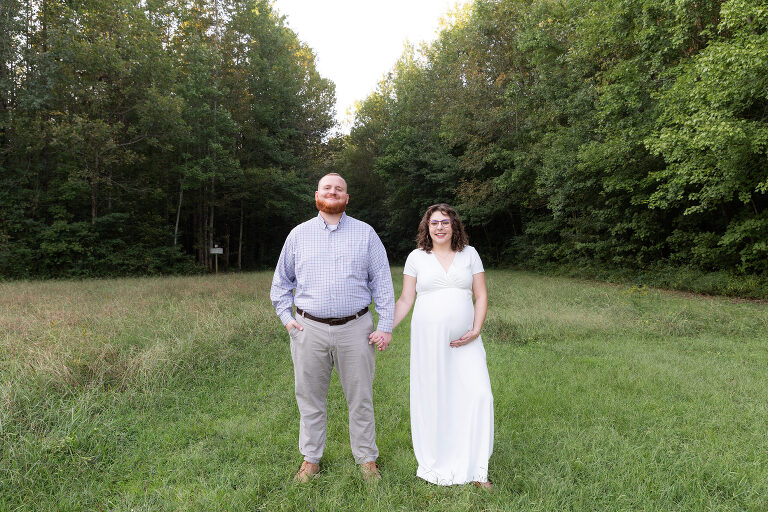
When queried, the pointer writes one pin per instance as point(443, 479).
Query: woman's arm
point(402, 307)
point(481, 300)
point(481, 309)
point(405, 302)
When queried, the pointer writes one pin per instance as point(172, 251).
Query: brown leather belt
point(333, 321)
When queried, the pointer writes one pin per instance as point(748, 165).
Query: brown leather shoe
point(484, 485)
point(306, 472)
point(370, 472)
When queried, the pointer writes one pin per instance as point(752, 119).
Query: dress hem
point(434, 478)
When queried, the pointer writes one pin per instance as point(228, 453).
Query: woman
point(451, 400)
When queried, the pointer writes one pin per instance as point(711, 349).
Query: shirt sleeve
point(284, 281)
point(380, 283)
point(410, 265)
point(474, 261)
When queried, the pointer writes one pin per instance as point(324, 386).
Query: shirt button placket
point(334, 265)
point(331, 256)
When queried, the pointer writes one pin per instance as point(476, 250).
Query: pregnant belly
point(450, 314)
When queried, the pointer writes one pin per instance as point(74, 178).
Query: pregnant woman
point(451, 400)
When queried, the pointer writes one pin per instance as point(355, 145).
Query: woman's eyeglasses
point(445, 223)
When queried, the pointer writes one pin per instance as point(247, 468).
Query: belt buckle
point(346, 319)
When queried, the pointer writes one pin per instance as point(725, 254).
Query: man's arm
point(284, 282)
point(382, 290)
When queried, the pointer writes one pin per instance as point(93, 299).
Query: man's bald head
point(333, 176)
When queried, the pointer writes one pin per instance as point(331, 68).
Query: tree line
point(628, 134)
point(613, 133)
point(137, 134)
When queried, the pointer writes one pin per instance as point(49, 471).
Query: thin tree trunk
point(512, 221)
point(44, 9)
point(36, 195)
point(226, 248)
point(240, 240)
point(95, 188)
point(109, 191)
point(94, 191)
point(200, 229)
point(211, 215)
point(178, 211)
point(204, 230)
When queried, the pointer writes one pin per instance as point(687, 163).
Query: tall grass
point(177, 394)
point(130, 332)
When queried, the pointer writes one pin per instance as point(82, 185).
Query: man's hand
point(381, 339)
point(291, 324)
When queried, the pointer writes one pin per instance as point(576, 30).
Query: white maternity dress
point(451, 400)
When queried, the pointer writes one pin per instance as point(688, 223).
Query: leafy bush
point(118, 244)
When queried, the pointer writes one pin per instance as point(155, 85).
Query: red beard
point(331, 209)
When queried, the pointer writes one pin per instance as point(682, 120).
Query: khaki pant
point(315, 351)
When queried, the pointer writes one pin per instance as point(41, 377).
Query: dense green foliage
point(588, 135)
point(626, 134)
point(137, 133)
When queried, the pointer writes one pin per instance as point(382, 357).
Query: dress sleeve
point(410, 265)
point(475, 264)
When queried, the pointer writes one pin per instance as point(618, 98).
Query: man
point(335, 264)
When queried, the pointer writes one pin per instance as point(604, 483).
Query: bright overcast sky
point(358, 41)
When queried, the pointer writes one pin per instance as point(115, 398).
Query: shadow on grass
point(496, 330)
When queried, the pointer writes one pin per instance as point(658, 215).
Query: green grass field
point(177, 394)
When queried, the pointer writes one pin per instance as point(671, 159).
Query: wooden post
point(216, 250)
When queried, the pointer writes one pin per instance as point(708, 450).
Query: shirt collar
point(324, 225)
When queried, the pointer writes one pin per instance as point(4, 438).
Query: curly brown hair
point(459, 238)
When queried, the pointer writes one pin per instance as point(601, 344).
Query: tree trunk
point(109, 191)
point(512, 222)
point(200, 229)
point(38, 180)
point(240, 240)
point(226, 248)
point(94, 193)
point(178, 211)
point(94, 189)
point(204, 230)
point(211, 215)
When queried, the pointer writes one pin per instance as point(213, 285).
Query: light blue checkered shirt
point(334, 272)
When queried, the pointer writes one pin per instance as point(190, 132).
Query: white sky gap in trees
point(358, 41)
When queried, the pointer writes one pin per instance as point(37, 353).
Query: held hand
point(468, 337)
point(381, 339)
point(293, 323)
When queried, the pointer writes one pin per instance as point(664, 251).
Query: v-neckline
point(445, 270)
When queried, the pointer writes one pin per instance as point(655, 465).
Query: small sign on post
point(216, 250)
